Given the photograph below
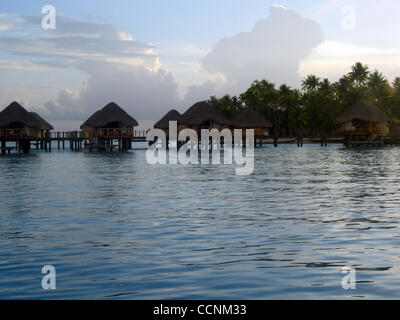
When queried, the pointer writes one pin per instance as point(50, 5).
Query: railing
point(23, 133)
point(113, 132)
point(13, 133)
point(365, 131)
point(67, 134)
point(100, 132)
point(140, 133)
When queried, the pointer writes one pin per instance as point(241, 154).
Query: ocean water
point(115, 227)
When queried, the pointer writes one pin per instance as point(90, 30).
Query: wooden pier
point(78, 141)
point(75, 140)
point(22, 141)
point(114, 139)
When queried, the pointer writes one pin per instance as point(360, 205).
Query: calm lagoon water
point(116, 227)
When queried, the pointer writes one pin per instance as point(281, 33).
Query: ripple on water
point(117, 228)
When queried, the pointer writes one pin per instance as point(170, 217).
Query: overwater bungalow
point(248, 118)
point(363, 122)
point(20, 126)
point(45, 127)
point(163, 123)
point(203, 115)
point(109, 124)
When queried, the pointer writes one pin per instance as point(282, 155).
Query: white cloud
point(4, 27)
point(182, 60)
point(119, 68)
point(7, 65)
point(376, 21)
point(146, 79)
point(123, 69)
point(180, 50)
point(7, 22)
point(74, 40)
point(272, 50)
point(332, 59)
point(143, 93)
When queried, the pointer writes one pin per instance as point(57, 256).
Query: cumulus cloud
point(372, 38)
point(74, 40)
point(272, 50)
point(119, 68)
point(332, 59)
point(143, 93)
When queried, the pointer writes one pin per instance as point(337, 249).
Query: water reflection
point(116, 227)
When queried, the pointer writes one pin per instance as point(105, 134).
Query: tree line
point(313, 109)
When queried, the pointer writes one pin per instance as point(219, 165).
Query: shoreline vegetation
point(313, 110)
point(361, 108)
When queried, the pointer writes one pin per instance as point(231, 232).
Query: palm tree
point(310, 86)
point(290, 108)
point(344, 83)
point(396, 84)
point(284, 90)
point(396, 99)
point(317, 104)
point(261, 96)
point(327, 105)
point(379, 88)
point(227, 105)
point(236, 105)
point(285, 106)
point(310, 83)
point(376, 80)
point(325, 86)
point(359, 73)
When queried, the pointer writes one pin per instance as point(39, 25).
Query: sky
point(155, 55)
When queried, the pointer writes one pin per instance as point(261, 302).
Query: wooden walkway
point(138, 135)
point(77, 139)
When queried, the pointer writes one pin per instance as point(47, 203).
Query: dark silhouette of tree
point(310, 83)
point(359, 74)
point(317, 105)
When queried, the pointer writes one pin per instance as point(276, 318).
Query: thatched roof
point(109, 114)
point(15, 113)
point(44, 124)
point(363, 110)
point(171, 115)
point(202, 112)
point(249, 118)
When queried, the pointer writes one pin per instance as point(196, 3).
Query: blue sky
point(154, 55)
point(160, 20)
